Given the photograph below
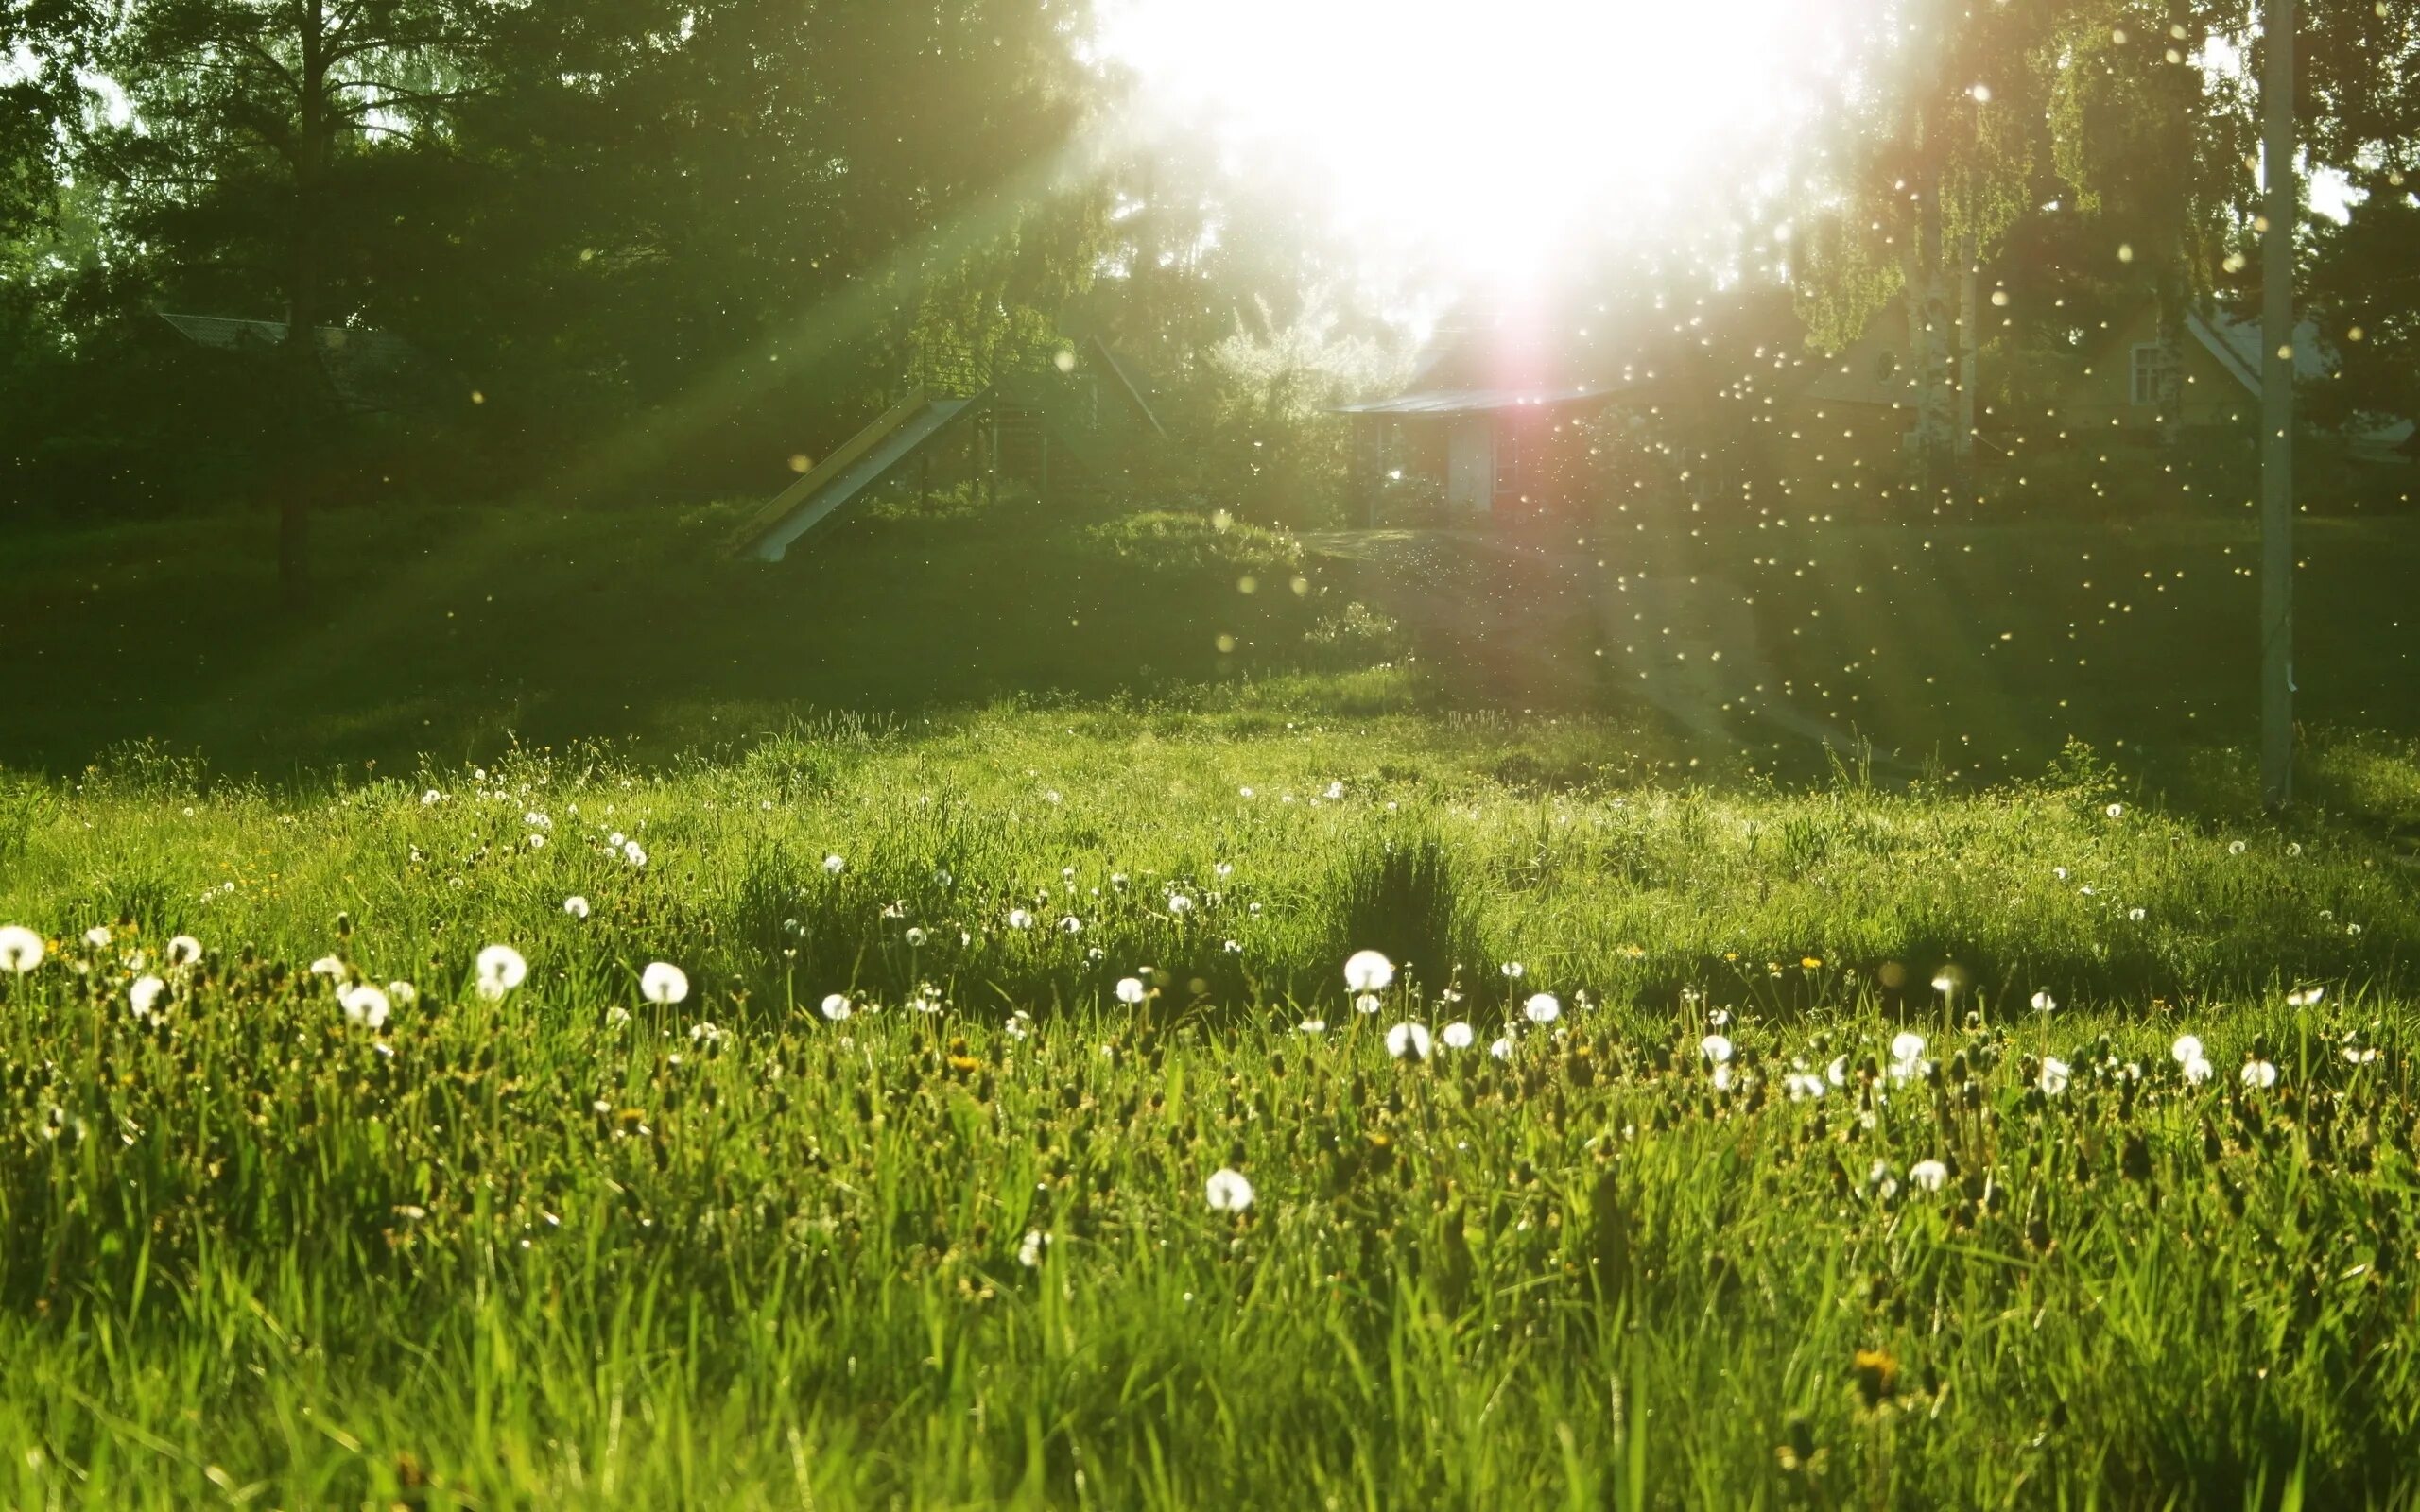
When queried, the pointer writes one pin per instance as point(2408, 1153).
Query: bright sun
point(1484, 133)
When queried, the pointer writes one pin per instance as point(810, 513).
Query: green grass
point(569, 1247)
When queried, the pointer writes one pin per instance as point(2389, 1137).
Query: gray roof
point(2236, 345)
point(1471, 401)
point(370, 370)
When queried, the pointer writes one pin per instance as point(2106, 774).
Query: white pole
point(2277, 410)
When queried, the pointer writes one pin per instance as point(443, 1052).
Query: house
point(2116, 376)
point(1493, 421)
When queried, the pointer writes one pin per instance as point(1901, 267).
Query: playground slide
point(867, 458)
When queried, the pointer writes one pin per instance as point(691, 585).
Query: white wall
point(1470, 463)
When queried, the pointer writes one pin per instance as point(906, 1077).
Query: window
point(2151, 371)
point(1508, 459)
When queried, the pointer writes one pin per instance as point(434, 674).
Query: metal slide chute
point(866, 459)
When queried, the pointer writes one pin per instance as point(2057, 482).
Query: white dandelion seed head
point(663, 983)
point(1804, 1086)
point(500, 968)
point(1368, 972)
point(1409, 1039)
point(2116, 811)
point(1512, 969)
point(634, 854)
point(2055, 1075)
point(327, 966)
point(1019, 919)
point(365, 1006)
point(575, 905)
point(1071, 925)
point(1907, 1046)
point(1837, 1072)
point(1366, 1003)
point(2306, 997)
point(2188, 1047)
point(2259, 1074)
point(1129, 990)
point(1502, 1048)
point(2235, 847)
point(1029, 1249)
point(835, 1006)
point(2198, 1069)
point(1311, 1026)
point(2135, 915)
point(21, 949)
point(1228, 1191)
point(183, 951)
point(915, 934)
point(1180, 904)
point(1457, 1036)
point(1542, 1008)
point(834, 866)
point(1927, 1175)
point(143, 995)
point(403, 994)
point(2044, 1002)
point(1715, 1048)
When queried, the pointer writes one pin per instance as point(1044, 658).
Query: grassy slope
point(254, 1249)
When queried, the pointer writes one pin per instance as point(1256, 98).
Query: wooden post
point(2277, 410)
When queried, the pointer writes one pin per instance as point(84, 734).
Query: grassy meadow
point(1740, 1123)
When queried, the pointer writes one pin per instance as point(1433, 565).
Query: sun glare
point(1483, 135)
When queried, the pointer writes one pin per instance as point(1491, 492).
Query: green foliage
point(565, 1241)
point(1162, 540)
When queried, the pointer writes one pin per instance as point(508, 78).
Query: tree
point(42, 109)
point(1934, 156)
point(248, 116)
point(2362, 89)
point(2152, 145)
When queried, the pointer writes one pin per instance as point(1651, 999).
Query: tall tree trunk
point(1970, 341)
point(1932, 439)
point(312, 407)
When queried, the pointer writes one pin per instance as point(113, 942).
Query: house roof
point(1473, 401)
point(370, 370)
point(1483, 359)
point(1117, 369)
point(2236, 344)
